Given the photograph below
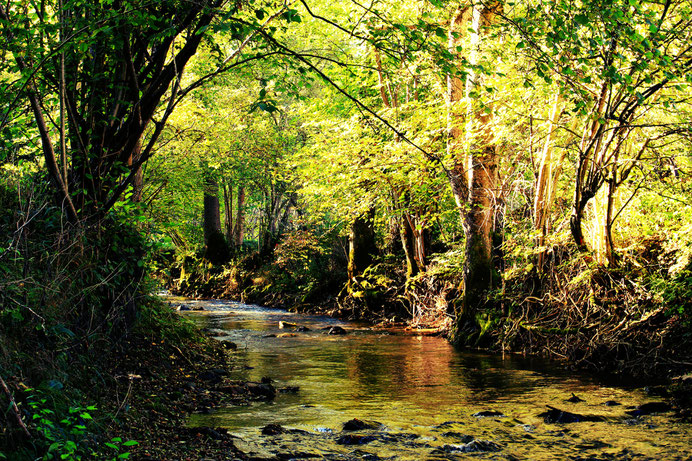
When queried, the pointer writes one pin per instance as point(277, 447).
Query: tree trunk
point(407, 241)
point(138, 180)
point(548, 174)
point(587, 182)
point(380, 78)
point(478, 227)
point(239, 231)
point(474, 193)
point(212, 213)
point(228, 215)
point(361, 245)
point(419, 234)
point(216, 246)
point(457, 175)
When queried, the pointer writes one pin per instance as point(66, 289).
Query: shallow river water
point(424, 393)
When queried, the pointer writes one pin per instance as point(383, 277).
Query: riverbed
point(423, 398)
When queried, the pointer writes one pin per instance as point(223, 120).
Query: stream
point(429, 400)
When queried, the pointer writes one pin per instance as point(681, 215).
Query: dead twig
point(13, 405)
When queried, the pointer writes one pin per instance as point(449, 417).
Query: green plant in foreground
point(116, 445)
point(67, 437)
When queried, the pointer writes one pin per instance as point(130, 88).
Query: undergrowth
point(70, 298)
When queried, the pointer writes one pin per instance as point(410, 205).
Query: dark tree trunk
point(239, 231)
point(138, 180)
point(408, 242)
point(474, 194)
point(478, 225)
point(361, 244)
point(393, 238)
point(212, 214)
point(228, 215)
point(216, 246)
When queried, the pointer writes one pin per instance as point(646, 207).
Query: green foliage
point(69, 433)
point(66, 295)
point(62, 436)
point(298, 254)
point(448, 265)
point(156, 319)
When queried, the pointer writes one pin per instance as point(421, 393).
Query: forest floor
point(160, 384)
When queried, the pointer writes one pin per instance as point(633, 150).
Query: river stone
point(215, 332)
point(574, 399)
point(273, 429)
point(489, 414)
point(283, 325)
point(472, 446)
point(353, 439)
point(262, 390)
point(361, 424)
point(447, 424)
point(184, 307)
point(649, 408)
point(480, 445)
point(302, 328)
point(611, 403)
point(336, 330)
point(557, 416)
point(229, 345)
point(527, 427)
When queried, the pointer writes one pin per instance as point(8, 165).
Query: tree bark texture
point(239, 230)
point(361, 244)
point(473, 177)
point(548, 173)
point(228, 212)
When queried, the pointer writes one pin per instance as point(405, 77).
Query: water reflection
point(413, 384)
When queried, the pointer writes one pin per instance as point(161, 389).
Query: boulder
point(261, 391)
point(470, 447)
point(489, 414)
point(273, 429)
point(353, 439)
point(649, 408)
point(557, 416)
point(361, 424)
point(336, 330)
point(229, 345)
point(574, 399)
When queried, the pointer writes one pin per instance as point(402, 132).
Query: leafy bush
point(68, 432)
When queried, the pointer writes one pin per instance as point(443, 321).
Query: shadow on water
point(424, 392)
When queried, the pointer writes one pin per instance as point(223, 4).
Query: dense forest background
point(513, 174)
